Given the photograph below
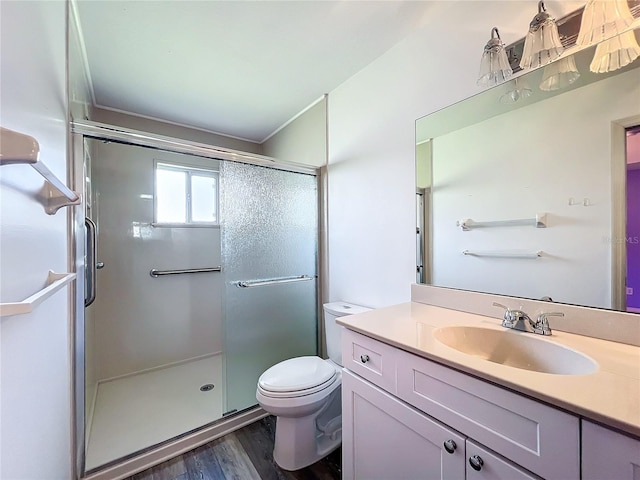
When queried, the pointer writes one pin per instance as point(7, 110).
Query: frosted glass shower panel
point(269, 234)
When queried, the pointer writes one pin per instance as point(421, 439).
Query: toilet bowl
point(304, 393)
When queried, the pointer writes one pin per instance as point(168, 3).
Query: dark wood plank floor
point(245, 454)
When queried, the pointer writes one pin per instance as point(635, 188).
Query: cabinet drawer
point(370, 359)
point(493, 466)
point(538, 437)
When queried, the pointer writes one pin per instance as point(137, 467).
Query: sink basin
point(516, 349)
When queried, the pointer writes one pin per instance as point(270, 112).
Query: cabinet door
point(483, 464)
point(608, 455)
point(383, 438)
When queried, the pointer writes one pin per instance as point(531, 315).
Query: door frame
point(619, 211)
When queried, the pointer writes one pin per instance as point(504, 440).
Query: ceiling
point(239, 68)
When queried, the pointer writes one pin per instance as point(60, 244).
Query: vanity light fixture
point(542, 44)
point(494, 65)
point(615, 53)
point(559, 74)
point(602, 19)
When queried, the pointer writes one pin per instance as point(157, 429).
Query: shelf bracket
point(18, 148)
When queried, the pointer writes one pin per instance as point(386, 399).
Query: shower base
point(138, 411)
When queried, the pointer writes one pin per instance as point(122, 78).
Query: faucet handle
point(542, 324)
point(506, 309)
point(507, 319)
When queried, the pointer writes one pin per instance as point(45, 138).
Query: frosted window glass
point(171, 196)
point(269, 227)
point(204, 198)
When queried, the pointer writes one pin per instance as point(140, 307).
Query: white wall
point(303, 140)
point(35, 396)
point(542, 163)
point(372, 141)
point(143, 322)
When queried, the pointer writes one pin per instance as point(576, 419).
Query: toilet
point(304, 394)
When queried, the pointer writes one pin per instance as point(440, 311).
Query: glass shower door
point(269, 247)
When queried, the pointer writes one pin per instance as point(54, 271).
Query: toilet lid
point(295, 374)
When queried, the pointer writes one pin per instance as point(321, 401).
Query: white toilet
point(304, 394)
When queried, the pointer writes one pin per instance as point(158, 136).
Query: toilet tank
point(333, 331)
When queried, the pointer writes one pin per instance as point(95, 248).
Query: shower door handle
point(90, 263)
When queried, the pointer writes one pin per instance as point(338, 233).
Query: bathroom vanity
point(421, 401)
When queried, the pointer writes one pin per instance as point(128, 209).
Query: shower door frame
point(80, 132)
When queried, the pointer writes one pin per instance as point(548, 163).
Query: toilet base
point(298, 443)
point(301, 441)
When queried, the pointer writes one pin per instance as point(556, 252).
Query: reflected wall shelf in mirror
point(539, 221)
point(493, 160)
point(502, 254)
point(19, 148)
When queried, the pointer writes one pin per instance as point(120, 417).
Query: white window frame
point(189, 171)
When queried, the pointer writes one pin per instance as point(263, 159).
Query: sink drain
point(207, 387)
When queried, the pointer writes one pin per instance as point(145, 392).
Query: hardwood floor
point(245, 454)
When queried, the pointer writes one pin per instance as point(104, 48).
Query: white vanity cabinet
point(608, 455)
point(384, 438)
point(400, 411)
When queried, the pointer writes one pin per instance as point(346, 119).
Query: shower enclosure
point(201, 272)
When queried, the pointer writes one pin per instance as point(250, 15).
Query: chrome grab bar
point(90, 263)
point(273, 281)
point(158, 273)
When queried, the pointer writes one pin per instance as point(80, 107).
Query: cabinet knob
point(364, 358)
point(476, 462)
point(450, 446)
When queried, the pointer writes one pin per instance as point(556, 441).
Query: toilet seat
point(297, 377)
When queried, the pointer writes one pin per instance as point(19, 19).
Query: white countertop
point(610, 395)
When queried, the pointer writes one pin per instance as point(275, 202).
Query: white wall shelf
point(18, 148)
point(55, 281)
point(540, 221)
point(503, 254)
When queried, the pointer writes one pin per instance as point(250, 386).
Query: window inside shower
point(185, 195)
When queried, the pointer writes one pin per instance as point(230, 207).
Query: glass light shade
point(615, 53)
point(602, 19)
point(520, 91)
point(542, 44)
point(559, 74)
point(494, 65)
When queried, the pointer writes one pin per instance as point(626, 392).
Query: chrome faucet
point(519, 320)
point(542, 324)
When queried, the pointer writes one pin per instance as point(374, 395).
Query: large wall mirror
point(532, 188)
